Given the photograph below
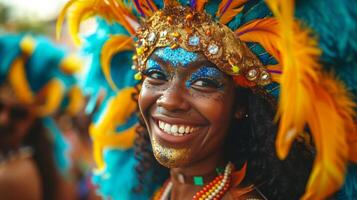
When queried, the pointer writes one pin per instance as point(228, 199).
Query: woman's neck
point(187, 181)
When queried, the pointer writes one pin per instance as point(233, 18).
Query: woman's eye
point(207, 83)
point(156, 74)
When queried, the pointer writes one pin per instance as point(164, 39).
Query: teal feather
point(334, 22)
point(118, 179)
point(349, 189)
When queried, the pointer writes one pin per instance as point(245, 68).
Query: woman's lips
point(174, 132)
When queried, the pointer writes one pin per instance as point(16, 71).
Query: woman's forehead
point(177, 57)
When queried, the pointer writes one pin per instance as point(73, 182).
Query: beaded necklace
point(215, 190)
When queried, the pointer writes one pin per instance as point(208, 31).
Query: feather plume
point(200, 5)
point(118, 109)
point(145, 7)
point(307, 98)
point(79, 10)
point(228, 9)
point(52, 100)
point(76, 101)
point(275, 72)
point(114, 45)
point(263, 31)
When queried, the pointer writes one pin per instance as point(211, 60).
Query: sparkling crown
point(178, 26)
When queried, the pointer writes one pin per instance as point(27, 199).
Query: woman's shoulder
point(19, 179)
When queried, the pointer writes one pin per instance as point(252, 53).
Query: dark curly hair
point(251, 139)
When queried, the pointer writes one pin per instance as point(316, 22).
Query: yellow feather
point(71, 64)
point(118, 110)
point(233, 9)
point(76, 100)
point(18, 80)
point(52, 100)
point(114, 45)
point(79, 10)
point(122, 140)
point(308, 97)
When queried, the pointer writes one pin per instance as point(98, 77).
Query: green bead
point(198, 180)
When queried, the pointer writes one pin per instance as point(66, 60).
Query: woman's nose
point(173, 98)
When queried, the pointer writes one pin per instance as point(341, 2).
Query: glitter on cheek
point(170, 157)
point(176, 57)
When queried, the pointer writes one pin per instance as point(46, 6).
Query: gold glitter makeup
point(168, 156)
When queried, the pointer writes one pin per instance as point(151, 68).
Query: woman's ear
point(240, 113)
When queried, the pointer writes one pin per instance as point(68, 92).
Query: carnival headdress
point(308, 95)
point(42, 76)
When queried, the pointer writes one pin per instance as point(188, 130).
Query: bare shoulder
point(19, 179)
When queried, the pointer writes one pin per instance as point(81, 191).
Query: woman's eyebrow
point(160, 61)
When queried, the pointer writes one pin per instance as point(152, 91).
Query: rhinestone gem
point(163, 33)
point(252, 73)
point(151, 37)
point(213, 49)
point(194, 40)
point(265, 76)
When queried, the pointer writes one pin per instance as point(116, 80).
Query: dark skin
point(205, 106)
point(15, 120)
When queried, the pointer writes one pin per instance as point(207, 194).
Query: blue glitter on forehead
point(205, 72)
point(152, 64)
point(177, 57)
point(210, 72)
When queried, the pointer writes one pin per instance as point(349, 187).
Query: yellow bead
point(140, 51)
point(235, 68)
point(138, 76)
point(174, 46)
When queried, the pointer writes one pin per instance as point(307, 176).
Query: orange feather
point(146, 7)
point(263, 31)
point(308, 97)
point(200, 5)
point(226, 14)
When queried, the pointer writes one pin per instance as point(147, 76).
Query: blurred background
point(38, 19)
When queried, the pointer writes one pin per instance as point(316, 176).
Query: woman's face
point(186, 103)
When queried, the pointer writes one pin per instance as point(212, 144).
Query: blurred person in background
point(37, 80)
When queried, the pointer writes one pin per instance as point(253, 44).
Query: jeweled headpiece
point(178, 26)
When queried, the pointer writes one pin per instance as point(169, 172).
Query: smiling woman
point(198, 121)
point(233, 99)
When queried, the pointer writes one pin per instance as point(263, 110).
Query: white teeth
point(187, 130)
point(161, 124)
point(176, 130)
point(167, 128)
point(181, 130)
